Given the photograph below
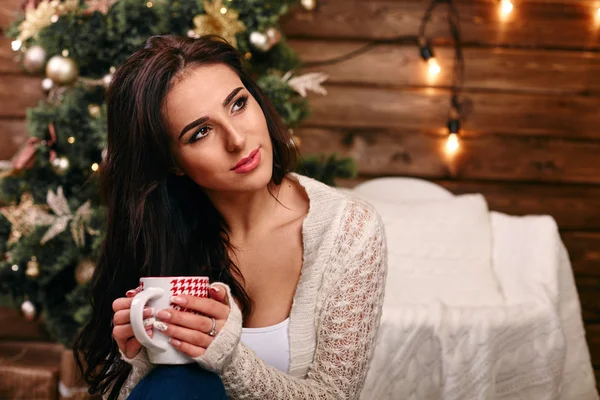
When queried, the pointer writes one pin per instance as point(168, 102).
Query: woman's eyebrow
point(201, 120)
point(231, 96)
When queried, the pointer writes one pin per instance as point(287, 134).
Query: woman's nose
point(236, 138)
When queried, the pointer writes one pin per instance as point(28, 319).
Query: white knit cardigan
point(335, 313)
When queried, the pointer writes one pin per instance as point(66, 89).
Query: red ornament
point(25, 159)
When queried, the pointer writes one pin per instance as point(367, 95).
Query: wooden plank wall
point(531, 142)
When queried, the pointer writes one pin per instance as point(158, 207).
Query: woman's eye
point(200, 134)
point(240, 103)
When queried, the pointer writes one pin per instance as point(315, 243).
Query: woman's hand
point(122, 330)
point(189, 332)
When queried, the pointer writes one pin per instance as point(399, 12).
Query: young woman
point(197, 180)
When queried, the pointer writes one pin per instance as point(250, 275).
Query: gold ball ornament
point(47, 84)
point(35, 59)
point(62, 70)
point(29, 310)
point(260, 41)
point(94, 110)
point(84, 271)
point(33, 268)
point(309, 5)
point(273, 36)
point(60, 165)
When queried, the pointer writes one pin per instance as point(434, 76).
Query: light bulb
point(16, 45)
point(95, 167)
point(452, 144)
point(223, 10)
point(506, 7)
point(434, 67)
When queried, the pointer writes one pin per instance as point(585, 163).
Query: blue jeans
point(179, 382)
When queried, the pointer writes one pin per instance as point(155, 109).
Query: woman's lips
point(247, 164)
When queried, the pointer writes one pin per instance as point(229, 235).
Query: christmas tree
point(52, 221)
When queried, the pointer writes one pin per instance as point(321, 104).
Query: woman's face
point(214, 123)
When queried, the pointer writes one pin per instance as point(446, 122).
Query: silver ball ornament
point(35, 59)
point(62, 70)
point(260, 41)
point(47, 84)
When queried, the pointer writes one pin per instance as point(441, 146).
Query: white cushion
point(395, 189)
point(439, 250)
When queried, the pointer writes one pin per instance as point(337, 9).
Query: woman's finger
point(133, 292)
point(132, 346)
point(219, 293)
point(191, 336)
point(209, 307)
point(187, 348)
point(122, 303)
point(125, 332)
point(188, 320)
point(122, 332)
point(122, 316)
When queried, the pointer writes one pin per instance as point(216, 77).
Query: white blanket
point(531, 345)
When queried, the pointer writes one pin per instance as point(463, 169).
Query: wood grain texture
point(19, 92)
point(9, 9)
point(8, 59)
point(587, 288)
point(515, 70)
point(13, 134)
point(427, 109)
point(490, 157)
point(575, 207)
point(584, 252)
point(539, 24)
point(593, 337)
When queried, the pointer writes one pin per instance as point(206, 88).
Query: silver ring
point(213, 330)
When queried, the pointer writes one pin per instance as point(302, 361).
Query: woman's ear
point(177, 171)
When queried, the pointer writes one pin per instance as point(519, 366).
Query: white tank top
point(271, 344)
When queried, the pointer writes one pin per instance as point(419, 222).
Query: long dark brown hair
point(159, 224)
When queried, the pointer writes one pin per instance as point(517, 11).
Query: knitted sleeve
point(140, 367)
point(346, 330)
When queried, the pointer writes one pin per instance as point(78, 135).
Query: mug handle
point(137, 320)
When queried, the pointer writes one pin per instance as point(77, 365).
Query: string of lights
point(426, 51)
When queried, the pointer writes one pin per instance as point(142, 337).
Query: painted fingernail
point(174, 342)
point(161, 326)
point(149, 321)
point(178, 300)
point(164, 315)
point(130, 292)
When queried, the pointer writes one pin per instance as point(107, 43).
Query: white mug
point(157, 293)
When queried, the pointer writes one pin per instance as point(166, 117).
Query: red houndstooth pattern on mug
point(194, 287)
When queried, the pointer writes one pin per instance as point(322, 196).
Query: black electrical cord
point(458, 69)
